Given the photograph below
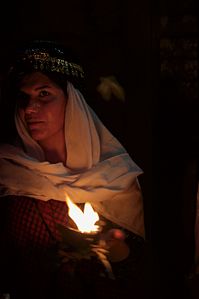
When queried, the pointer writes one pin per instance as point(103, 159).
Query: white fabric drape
point(99, 170)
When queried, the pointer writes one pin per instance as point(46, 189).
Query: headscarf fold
point(98, 168)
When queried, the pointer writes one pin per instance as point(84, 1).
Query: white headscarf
point(99, 170)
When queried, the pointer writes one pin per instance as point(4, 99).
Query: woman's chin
point(37, 135)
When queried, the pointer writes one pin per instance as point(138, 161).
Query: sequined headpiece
point(47, 56)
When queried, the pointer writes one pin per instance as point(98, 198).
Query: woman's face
point(41, 105)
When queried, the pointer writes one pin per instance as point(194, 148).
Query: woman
point(59, 148)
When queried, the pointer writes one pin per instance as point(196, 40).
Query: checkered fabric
point(32, 222)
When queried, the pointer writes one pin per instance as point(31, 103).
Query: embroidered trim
point(43, 61)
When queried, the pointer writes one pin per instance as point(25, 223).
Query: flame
point(85, 221)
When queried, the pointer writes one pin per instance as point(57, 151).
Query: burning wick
point(86, 220)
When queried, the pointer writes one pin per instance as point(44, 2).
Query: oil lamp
point(84, 241)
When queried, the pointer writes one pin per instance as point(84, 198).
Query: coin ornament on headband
point(47, 57)
point(43, 61)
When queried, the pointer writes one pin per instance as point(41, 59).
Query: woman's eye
point(43, 93)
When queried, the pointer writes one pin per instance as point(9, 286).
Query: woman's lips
point(34, 124)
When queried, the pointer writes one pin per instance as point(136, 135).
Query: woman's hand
point(115, 243)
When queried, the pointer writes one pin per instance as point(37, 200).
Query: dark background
point(151, 47)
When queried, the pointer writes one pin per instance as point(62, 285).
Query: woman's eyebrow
point(21, 91)
point(42, 87)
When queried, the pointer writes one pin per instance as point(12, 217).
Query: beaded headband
point(47, 56)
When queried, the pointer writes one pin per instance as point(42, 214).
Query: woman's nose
point(32, 106)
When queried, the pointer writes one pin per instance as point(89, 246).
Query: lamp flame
point(85, 220)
